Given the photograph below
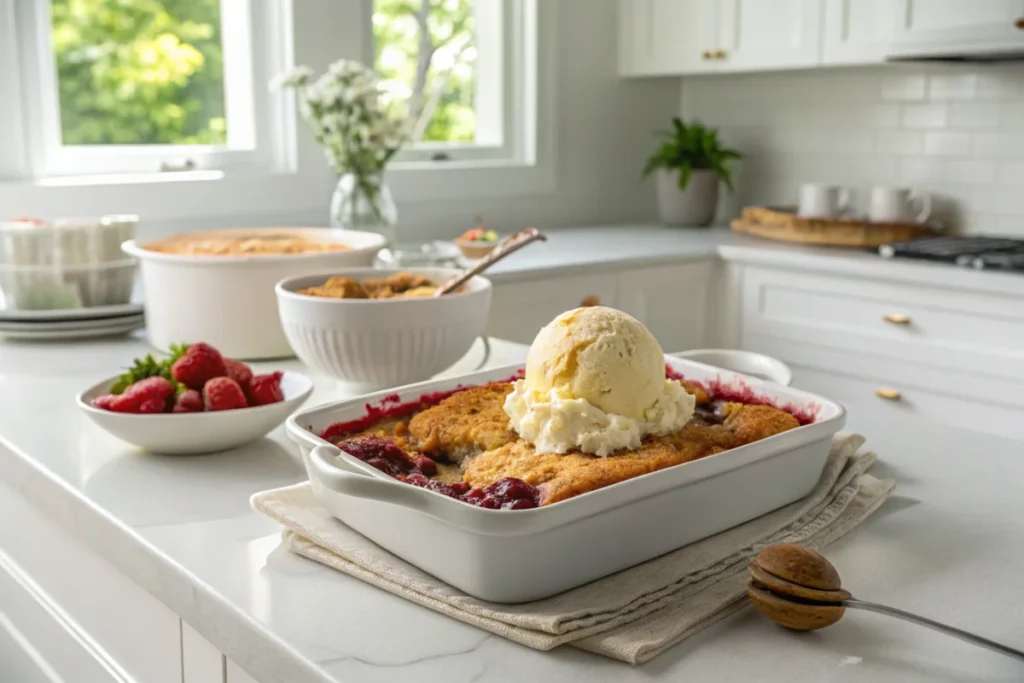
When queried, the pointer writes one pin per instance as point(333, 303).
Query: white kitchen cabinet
point(520, 309)
point(83, 619)
point(20, 661)
point(201, 662)
point(956, 24)
point(864, 397)
point(682, 37)
point(858, 31)
point(235, 674)
point(37, 641)
point(768, 34)
point(667, 37)
point(977, 333)
point(944, 355)
point(672, 301)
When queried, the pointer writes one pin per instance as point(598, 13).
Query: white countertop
point(614, 247)
point(948, 546)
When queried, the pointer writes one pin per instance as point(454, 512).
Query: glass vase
point(364, 203)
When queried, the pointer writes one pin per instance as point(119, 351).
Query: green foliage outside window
point(425, 50)
point(139, 71)
point(151, 71)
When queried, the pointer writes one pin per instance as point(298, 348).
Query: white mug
point(818, 200)
point(897, 205)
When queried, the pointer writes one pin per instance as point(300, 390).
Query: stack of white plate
point(71, 323)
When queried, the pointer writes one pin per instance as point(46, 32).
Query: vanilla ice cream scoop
point(600, 355)
point(595, 382)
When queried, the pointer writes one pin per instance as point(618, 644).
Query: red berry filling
point(505, 494)
point(387, 457)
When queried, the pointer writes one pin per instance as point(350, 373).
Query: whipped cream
point(557, 422)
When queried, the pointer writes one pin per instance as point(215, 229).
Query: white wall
point(957, 130)
point(596, 132)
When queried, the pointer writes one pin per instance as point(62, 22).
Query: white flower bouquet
point(354, 122)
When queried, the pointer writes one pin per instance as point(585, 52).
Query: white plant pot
point(693, 206)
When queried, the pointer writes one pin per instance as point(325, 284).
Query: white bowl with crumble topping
point(395, 335)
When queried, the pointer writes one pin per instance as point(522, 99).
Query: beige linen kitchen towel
point(633, 615)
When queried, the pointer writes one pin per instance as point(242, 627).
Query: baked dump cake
point(263, 243)
point(595, 407)
point(406, 285)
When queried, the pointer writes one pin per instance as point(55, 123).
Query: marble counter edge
point(225, 626)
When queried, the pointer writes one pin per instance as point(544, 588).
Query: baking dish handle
point(346, 482)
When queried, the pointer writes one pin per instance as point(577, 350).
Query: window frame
point(297, 191)
point(254, 115)
point(502, 51)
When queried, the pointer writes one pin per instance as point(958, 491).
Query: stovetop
point(983, 253)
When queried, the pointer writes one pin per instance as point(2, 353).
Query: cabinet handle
point(706, 54)
point(896, 318)
point(888, 394)
point(590, 300)
point(1019, 23)
point(719, 54)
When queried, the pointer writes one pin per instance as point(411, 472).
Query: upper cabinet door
point(955, 23)
point(858, 31)
point(768, 34)
point(667, 37)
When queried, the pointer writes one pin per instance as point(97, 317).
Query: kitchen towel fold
point(633, 615)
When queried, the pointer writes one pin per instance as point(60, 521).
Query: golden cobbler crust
point(471, 428)
point(465, 423)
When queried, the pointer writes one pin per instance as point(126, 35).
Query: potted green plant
point(688, 165)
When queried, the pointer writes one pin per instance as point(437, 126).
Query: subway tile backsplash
point(956, 131)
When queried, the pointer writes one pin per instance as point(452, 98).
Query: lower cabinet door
point(38, 641)
point(201, 662)
point(237, 675)
point(85, 618)
point(520, 309)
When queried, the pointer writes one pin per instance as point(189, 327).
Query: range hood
point(980, 53)
point(1006, 46)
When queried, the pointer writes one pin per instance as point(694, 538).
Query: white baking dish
point(229, 301)
point(517, 556)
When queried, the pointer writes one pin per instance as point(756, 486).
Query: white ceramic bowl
point(191, 433)
point(228, 301)
point(378, 343)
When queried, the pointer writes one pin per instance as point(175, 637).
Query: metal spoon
point(512, 244)
point(799, 589)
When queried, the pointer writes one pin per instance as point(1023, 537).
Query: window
point(143, 85)
point(458, 66)
point(112, 87)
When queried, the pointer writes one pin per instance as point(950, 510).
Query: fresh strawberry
point(265, 389)
point(153, 405)
point(190, 401)
point(238, 371)
point(149, 395)
point(200, 364)
point(223, 393)
point(104, 402)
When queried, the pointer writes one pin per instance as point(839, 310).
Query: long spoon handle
point(936, 626)
point(512, 244)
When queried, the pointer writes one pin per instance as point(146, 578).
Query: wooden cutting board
point(784, 225)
